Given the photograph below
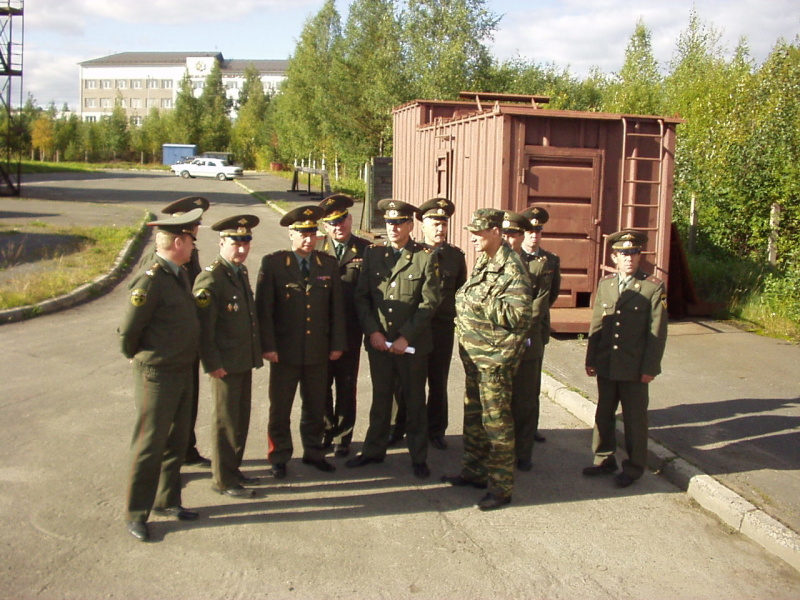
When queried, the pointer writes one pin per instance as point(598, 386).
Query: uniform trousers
point(408, 371)
point(527, 384)
point(231, 419)
point(634, 397)
point(488, 426)
point(340, 412)
point(191, 448)
point(163, 403)
point(283, 381)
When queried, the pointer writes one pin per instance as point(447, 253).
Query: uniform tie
point(623, 283)
point(304, 268)
point(339, 251)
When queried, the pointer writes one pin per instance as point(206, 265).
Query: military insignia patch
point(202, 298)
point(664, 301)
point(138, 297)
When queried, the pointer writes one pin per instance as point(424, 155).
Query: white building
point(140, 81)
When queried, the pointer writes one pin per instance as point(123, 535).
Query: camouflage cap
point(436, 208)
point(185, 204)
point(515, 223)
point(537, 216)
point(485, 218)
point(303, 218)
point(627, 241)
point(335, 207)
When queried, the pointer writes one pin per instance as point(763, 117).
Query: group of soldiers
point(406, 301)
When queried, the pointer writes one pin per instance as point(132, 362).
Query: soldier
point(493, 314)
point(230, 349)
point(193, 268)
point(301, 316)
point(538, 216)
point(397, 295)
point(160, 334)
point(348, 250)
point(626, 342)
point(527, 379)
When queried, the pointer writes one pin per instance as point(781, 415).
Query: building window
point(105, 102)
point(166, 84)
point(166, 103)
point(232, 85)
point(122, 84)
point(121, 102)
point(89, 102)
point(136, 120)
point(105, 84)
point(136, 84)
point(91, 119)
point(152, 84)
point(136, 103)
point(198, 85)
point(151, 102)
point(90, 84)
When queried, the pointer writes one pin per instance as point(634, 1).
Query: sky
point(574, 34)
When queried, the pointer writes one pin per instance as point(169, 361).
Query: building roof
point(130, 59)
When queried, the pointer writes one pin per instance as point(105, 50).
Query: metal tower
point(12, 34)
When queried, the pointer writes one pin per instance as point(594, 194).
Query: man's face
point(399, 232)
point(234, 251)
point(532, 240)
point(487, 240)
point(302, 241)
point(514, 239)
point(434, 231)
point(341, 230)
point(184, 244)
point(627, 264)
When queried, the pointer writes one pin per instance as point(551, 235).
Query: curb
point(261, 196)
point(87, 291)
point(727, 505)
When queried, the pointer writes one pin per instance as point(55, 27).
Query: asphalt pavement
point(726, 407)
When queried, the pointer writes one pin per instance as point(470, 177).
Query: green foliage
point(248, 132)
point(185, 117)
point(637, 87)
point(215, 124)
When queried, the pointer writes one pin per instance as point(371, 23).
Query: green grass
point(35, 166)
point(61, 270)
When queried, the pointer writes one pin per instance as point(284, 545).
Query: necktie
point(623, 283)
point(304, 268)
point(339, 251)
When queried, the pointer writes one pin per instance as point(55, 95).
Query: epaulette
point(210, 268)
point(376, 246)
point(427, 249)
point(457, 248)
point(151, 272)
point(654, 279)
point(611, 276)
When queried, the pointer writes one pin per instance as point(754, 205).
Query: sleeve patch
point(202, 298)
point(138, 297)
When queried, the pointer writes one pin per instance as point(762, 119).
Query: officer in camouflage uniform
point(160, 334)
point(527, 380)
point(493, 317)
point(230, 349)
point(626, 342)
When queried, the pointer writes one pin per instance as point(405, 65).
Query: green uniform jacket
point(160, 327)
point(493, 310)
point(229, 334)
point(349, 270)
point(552, 273)
point(540, 288)
point(453, 274)
point(302, 321)
point(399, 300)
point(628, 332)
point(192, 267)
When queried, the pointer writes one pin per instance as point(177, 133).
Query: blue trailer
point(172, 153)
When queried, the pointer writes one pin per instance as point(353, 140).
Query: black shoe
point(421, 470)
point(178, 512)
point(320, 463)
point(341, 450)
point(606, 468)
point(197, 461)
point(236, 492)
point(538, 438)
point(460, 481)
point(396, 437)
point(361, 460)
point(492, 501)
point(327, 442)
point(279, 470)
point(245, 480)
point(623, 480)
point(138, 529)
point(524, 464)
point(439, 442)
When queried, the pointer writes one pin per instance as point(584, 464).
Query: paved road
point(371, 533)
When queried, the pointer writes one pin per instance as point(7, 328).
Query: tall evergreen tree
point(637, 87)
point(215, 128)
point(248, 133)
point(185, 117)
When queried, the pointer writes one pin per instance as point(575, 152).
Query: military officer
point(538, 216)
point(493, 314)
point(435, 216)
point(301, 317)
point(348, 249)
point(527, 379)
point(160, 334)
point(397, 295)
point(193, 268)
point(230, 349)
point(626, 343)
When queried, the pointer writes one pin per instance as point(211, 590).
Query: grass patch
point(68, 258)
point(35, 166)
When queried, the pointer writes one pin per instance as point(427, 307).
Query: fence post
point(692, 225)
point(774, 222)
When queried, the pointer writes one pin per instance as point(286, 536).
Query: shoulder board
point(376, 245)
point(428, 249)
point(611, 276)
point(151, 272)
point(457, 248)
point(213, 266)
point(654, 279)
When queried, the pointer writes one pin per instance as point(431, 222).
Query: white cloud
point(51, 77)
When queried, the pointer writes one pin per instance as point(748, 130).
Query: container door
point(567, 183)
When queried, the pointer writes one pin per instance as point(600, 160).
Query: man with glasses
point(230, 349)
point(160, 334)
point(626, 343)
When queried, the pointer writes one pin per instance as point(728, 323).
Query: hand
point(399, 345)
point(218, 374)
point(335, 355)
point(271, 356)
point(591, 371)
point(647, 378)
point(378, 341)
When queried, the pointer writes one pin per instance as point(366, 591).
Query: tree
point(185, 117)
point(43, 135)
point(248, 133)
point(117, 136)
point(637, 87)
point(215, 123)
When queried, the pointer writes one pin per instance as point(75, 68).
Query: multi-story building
point(140, 81)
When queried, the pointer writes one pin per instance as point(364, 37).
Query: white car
point(207, 167)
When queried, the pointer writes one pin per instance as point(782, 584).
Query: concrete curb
point(87, 291)
point(727, 505)
point(261, 196)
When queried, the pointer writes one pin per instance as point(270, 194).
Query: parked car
point(207, 167)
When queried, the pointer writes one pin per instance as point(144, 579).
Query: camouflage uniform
point(493, 315)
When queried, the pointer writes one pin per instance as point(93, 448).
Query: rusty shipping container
point(595, 173)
